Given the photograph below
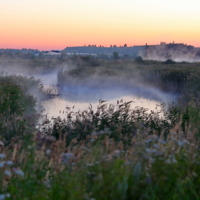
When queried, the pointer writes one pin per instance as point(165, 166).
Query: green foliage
point(17, 108)
point(119, 122)
point(150, 167)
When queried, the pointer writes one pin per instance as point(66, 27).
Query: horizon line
point(100, 46)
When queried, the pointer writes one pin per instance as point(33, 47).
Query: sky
point(57, 24)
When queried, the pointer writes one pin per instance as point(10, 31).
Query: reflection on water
point(58, 106)
point(78, 97)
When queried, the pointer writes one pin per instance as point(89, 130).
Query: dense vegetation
point(113, 152)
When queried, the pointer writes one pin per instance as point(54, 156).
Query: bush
point(139, 59)
point(17, 109)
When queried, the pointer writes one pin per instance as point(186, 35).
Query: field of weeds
point(114, 152)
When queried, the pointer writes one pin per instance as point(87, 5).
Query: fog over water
point(82, 94)
point(79, 97)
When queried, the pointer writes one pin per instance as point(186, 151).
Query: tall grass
point(101, 168)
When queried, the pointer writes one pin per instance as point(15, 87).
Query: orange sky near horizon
point(47, 25)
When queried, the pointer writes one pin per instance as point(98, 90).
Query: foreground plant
point(99, 167)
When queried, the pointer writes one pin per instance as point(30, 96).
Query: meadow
point(113, 152)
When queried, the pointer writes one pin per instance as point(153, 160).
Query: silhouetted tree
point(168, 56)
point(115, 55)
point(139, 59)
point(169, 59)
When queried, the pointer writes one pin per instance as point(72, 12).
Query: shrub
point(17, 109)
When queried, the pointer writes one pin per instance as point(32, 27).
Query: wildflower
point(170, 160)
point(3, 196)
point(117, 151)
point(146, 157)
point(94, 133)
point(180, 143)
point(7, 173)
point(107, 130)
point(162, 141)
point(156, 146)
point(73, 164)
point(2, 155)
point(90, 164)
point(48, 151)
point(9, 162)
point(7, 195)
point(18, 172)
point(174, 160)
point(100, 133)
point(148, 141)
point(148, 150)
point(68, 155)
point(186, 142)
point(47, 183)
point(1, 164)
point(158, 153)
point(105, 156)
point(30, 146)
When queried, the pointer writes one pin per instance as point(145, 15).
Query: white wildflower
point(48, 151)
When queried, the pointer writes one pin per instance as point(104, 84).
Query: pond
point(80, 98)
